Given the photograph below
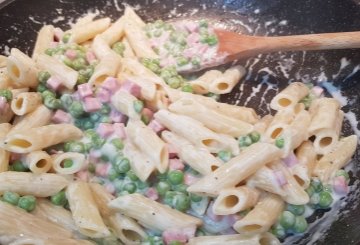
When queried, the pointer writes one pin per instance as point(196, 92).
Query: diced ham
point(131, 88)
point(291, 160)
point(110, 188)
point(76, 96)
point(192, 26)
point(119, 130)
point(102, 169)
point(193, 38)
point(103, 95)
point(90, 57)
point(190, 179)
point(83, 175)
point(172, 151)
point(111, 84)
point(340, 185)
point(94, 155)
point(105, 129)
point(53, 83)
point(156, 126)
point(280, 177)
point(179, 234)
point(176, 164)
point(211, 215)
point(152, 193)
point(3, 104)
point(92, 104)
point(71, 54)
point(15, 156)
point(85, 90)
point(61, 116)
point(117, 116)
point(317, 91)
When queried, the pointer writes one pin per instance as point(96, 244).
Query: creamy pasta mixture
point(103, 141)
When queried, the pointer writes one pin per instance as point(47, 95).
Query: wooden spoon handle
point(342, 40)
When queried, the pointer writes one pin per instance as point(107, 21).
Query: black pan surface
point(20, 20)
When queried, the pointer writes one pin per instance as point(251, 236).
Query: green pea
point(113, 174)
point(59, 198)
point(43, 76)
point(296, 209)
point(342, 172)
point(95, 117)
point(174, 82)
point(165, 74)
point(52, 103)
point(153, 67)
point(327, 188)
point(78, 64)
point(162, 188)
point(169, 197)
point(118, 143)
point(287, 219)
point(310, 190)
point(176, 243)
point(300, 225)
point(245, 141)
point(195, 198)
point(180, 188)
point(98, 142)
point(154, 240)
point(211, 40)
point(315, 199)
point(66, 100)
point(87, 124)
point(77, 147)
point(105, 119)
point(255, 136)
point(81, 79)
point(48, 93)
point(278, 231)
point(145, 119)
point(105, 109)
point(325, 199)
point(18, 166)
point(67, 163)
point(225, 156)
point(27, 203)
point(214, 96)
point(203, 23)
point(182, 202)
point(119, 48)
point(76, 109)
point(280, 142)
point(118, 184)
point(130, 187)
point(307, 100)
point(104, 158)
point(138, 106)
point(50, 51)
point(66, 37)
point(187, 88)
point(122, 166)
point(316, 183)
point(7, 94)
point(200, 232)
point(91, 168)
point(132, 176)
point(11, 197)
point(41, 88)
point(181, 61)
point(195, 61)
point(175, 177)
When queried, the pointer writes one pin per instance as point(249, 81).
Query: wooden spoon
point(237, 46)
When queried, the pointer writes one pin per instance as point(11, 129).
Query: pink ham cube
point(3, 104)
point(147, 113)
point(340, 185)
point(92, 104)
point(83, 175)
point(84, 90)
point(102, 169)
point(117, 116)
point(61, 116)
point(105, 129)
point(190, 179)
point(172, 151)
point(110, 188)
point(179, 234)
point(191, 26)
point(119, 130)
point(131, 88)
point(193, 38)
point(156, 126)
point(90, 57)
point(111, 84)
point(152, 193)
point(71, 54)
point(15, 156)
point(103, 95)
point(176, 164)
point(53, 83)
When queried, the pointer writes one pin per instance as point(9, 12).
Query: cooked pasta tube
point(124, 102)
point(265, 179)
point(325, 124)
point(199, 159)
point(15, 222)
point(236, 239)
point(3, 61)
point(201, 84)
point(290, 96)
point(101, 48)
point(29, 140)
point(127, 229)
point(149, 143)
point(262, 216)
point(25, 103)
point(128, 52)
point(5, 81)
point(38, 162)
point(195, 132)
point(4, 155)
point(115, 32)
point(339, 156)
point(84, 210)
point(44, 39)
point(21, 69)
point(39, 185)
point(295, 194)
point(228, 80)
point(131, 15)
point(108, 67)
point(102, 198)
point(211, 118)
point(148, 87)
point(41, 116)
point(263, 124)
point(58, 241)
point(159, 102)
point(56, 214)
point(77, 160)
point(87, 31)
point(236, 170)
point(152, 214)
point(141, 164)
point(233, 200)
point(65, 74)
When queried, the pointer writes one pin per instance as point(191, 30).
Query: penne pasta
point(39, 185)
point(290, 96)
point(148, 87)
point(236, 170)
point(108, 67)
point(130, 14)
point(44, 39)
point(228, 80)
point(124, 103)
point(77, 160)
point(235, 239)
point(128, 52)
point(115, 32)
point(87, 31)
point(25, 141)
point(152, 214)
point(25, 103)
point(4, 155)
point(67, 241)
point(38, 162)
point(101, 48)
point(84, 210)
point(201, 84)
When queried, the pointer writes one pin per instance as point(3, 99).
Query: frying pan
point(20, 20)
